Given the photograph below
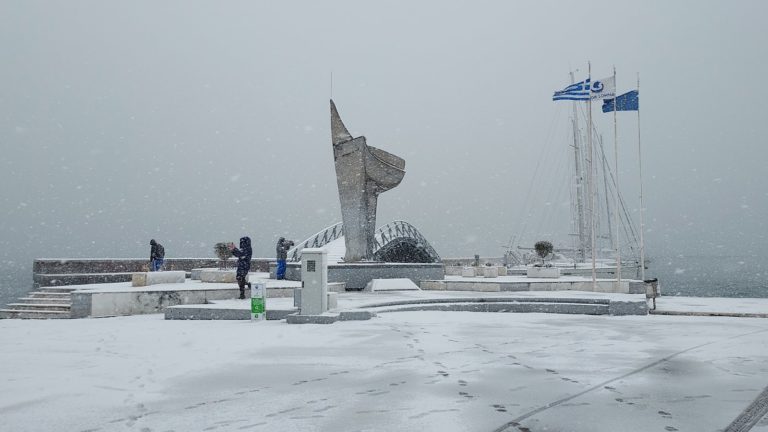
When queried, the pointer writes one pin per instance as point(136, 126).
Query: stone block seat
point(141, 279)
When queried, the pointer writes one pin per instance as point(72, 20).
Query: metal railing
point(384, 235)
point(401, 229)
point(318, 240)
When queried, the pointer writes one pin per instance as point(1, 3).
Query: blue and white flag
point(629, 101)
point(578, 91)
point(587, 89)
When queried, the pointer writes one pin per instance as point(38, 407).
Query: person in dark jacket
point(156, 256)
point(281, 250)
point(243, 263)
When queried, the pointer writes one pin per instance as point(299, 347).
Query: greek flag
point(578, 92)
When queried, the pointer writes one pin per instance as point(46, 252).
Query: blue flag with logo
point(629, 101)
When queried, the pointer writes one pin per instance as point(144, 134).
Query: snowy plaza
point(400, 371)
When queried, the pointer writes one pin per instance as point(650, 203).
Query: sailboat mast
point(616, 168)
point(604, 165)
point(642, 207)
point(591, 152)
point(582, 247)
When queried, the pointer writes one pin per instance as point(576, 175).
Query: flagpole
point(591, 175)
point(616, 168)
point(642, 206)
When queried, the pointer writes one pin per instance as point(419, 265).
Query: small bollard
point(258, 304)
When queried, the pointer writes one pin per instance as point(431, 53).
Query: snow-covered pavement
point(405, 371)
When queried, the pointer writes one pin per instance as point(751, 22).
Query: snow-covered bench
point(159, 277)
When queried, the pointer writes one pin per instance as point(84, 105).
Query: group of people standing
point(243, 254)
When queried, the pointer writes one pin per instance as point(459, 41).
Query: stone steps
point(64, 307)
point(48, 302)
point(32, 314)
point(48, 295)
point(58, 289)
point(44, 300)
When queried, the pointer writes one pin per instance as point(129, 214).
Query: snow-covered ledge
point(159, 277)
point(218, 275)
point(543, 272)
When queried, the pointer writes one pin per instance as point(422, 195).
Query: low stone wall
point(500, 284)
point(61, 271)
point(51, 280)
point(87, 303)
point(470, 261)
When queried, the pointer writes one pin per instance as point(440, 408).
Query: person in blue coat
point(156, 256)
point(243, 263)
point(283, 246)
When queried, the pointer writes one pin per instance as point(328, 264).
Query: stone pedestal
point(490, 272)
point(218, 276)
point(543, 272)
point(160, 277)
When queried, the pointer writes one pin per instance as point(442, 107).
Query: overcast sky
point(198, 122)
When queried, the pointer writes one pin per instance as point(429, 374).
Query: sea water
point(711, 276)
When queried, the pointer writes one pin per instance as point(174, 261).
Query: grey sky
point(197, 122)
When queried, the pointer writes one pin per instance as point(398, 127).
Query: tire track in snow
point(508, 426)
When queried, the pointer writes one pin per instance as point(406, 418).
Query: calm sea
point(711, 276)
point(692, 276)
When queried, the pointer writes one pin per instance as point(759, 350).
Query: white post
point(616, 168)
point(642, 207)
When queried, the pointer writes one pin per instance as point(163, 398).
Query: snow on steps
point(48, 303)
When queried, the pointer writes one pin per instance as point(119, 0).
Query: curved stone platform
point(363, 306)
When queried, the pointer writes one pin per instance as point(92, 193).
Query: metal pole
point(582, 248)
point(642, 206)
point(616, 168)
point(591, 175)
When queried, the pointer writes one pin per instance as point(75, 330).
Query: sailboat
point(596, 241)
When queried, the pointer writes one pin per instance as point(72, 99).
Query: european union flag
point(629, 101)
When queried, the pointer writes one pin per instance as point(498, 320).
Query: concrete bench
point(490, 272)
point(543, 272)
point(219, 276)
point(160, 277)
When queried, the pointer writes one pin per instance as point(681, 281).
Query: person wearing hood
point(282, 248)
point(156, 255)
point(243, 263)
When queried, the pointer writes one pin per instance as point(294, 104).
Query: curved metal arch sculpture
point(397, 241)
point(320, 239)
